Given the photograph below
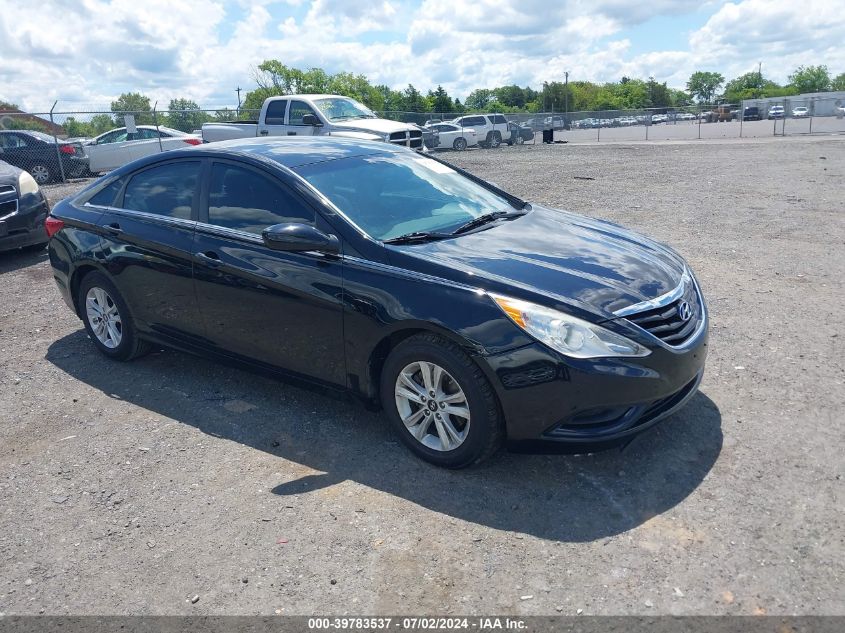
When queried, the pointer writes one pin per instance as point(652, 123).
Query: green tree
point(413, 101)
point(838, 82)
point(810, 79)
point(132, 103)
point(749, 86)
point(703, 85)
point(659, 94)
point(478, 99)
point(185, 115)
point(441, 102)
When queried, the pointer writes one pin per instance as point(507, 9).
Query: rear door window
point(168, 190)
point(275, 114)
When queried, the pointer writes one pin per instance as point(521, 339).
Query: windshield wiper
point(417, 236)
point(486, 218)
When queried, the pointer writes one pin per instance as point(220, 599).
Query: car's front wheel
point(107, 319)
point(460, 144)
point(440, 403)
point(495, 139)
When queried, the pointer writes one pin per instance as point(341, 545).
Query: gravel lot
point(132, 488)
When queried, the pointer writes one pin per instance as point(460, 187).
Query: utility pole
point(566, 93)
point(759, 79)
point(238, 90)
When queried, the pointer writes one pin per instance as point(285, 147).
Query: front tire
point(460, 144)
point(440, 403)
point(495, 140)
point(107, 319)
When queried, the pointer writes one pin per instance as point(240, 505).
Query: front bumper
point(550, 398)
point(25, 226)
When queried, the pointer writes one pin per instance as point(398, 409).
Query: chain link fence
point(64, 143)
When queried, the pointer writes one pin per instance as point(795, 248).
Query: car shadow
point(13, 260)
point(558, 497)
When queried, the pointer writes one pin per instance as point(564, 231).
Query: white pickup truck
point(316, 115)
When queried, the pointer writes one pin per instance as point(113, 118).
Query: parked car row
point(48, 160)
point(483, 130)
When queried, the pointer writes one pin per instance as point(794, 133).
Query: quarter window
point(244, 200)
point(105, 197)
point(165, 190)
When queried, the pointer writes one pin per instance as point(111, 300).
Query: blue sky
point(203, 49)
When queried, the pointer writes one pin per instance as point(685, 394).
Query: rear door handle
point(210, 258)
point(113, 228)
point(291, 133)
point(263, 132)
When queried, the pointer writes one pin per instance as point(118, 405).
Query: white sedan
point(117, 147)
point(800, 112)
point(454, 136)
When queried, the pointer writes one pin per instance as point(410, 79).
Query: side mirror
point(311, 119)
point(298, 237)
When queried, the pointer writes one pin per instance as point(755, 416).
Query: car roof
point(290, 152)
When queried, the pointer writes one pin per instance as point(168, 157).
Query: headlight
point(567, 334)
point(27, 184)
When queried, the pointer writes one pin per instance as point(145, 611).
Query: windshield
point(392, 195)
point(340, 109)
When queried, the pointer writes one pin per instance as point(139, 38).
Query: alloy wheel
point(103, 317)
point(432, 406)
point(40, 173)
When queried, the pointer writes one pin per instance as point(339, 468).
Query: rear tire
point(107, 319)
point(464, 409)
point(41, 173)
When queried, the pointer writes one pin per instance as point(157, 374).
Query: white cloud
point(88, 52)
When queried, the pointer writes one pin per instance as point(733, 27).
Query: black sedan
point(23, 210)
point(519, 133)
point(469, 315)
point(40, 155)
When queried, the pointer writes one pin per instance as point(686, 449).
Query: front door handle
point(210, 258)
point(291, 133)
point(113, 228)
point(263, 132)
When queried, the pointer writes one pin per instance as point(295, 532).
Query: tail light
point(53, 225)
point(67, 149)
point(193, 141)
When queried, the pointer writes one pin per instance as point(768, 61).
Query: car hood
point(382, 126)
point(558, 256)
point(8, 174)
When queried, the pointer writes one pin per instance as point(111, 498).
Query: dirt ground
point(133, 488)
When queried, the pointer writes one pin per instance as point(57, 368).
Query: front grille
point(667, 322)
point(409, 138)
point(8, 190)
point(8, 208)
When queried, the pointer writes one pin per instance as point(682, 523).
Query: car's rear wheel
point(40, 173)
point(107, 319)
point(440, 403)
point(460, 144)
